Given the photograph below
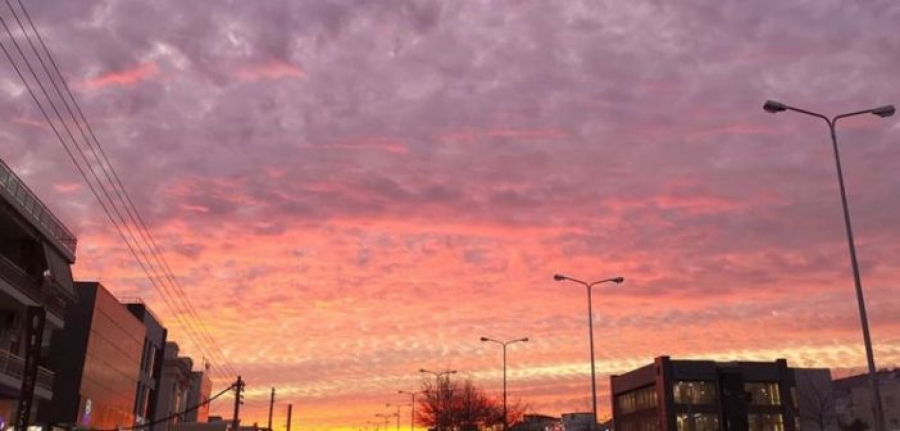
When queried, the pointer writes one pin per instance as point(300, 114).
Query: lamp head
point(484, 338)
point(525, 340)
point(884, 111)
point(560, 277)
point(422, 370)
point(617, 280)
point(774, 107)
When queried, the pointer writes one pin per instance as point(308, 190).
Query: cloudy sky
point(349, 191)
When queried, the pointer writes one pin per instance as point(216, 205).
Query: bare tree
point(450, 406)
point(815, 400)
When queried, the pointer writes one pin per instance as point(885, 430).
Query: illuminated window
point(697, 422)
point(763, 393)
point(640, 399)
point(767, 422)
point(694, 393)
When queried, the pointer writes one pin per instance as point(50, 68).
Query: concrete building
point(670, 395)
point(36, 251)
point(201, 389)
point(853, 400)
point(97, 358)
point(535, 422)
point(175, 389)
point(152, 357)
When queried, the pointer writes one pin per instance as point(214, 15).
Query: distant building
point(175, 389)
point(36, 251)
point(152, 357)
point(853, 399)
point(201, 389)
point(577, 421)
point(670, 395)
point(535, 422)
point(97, 358)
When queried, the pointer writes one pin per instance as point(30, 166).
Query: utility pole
point(271, 405)
point(290, 406)
point(238, 400)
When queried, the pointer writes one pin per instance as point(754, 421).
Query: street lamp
point(412, 412)
point(396, 414)
point(504, 344)
point(617, 280)
point(883, 112)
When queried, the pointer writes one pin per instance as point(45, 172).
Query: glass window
point(694, 393)
point(763, 393)
point(697, 422)
point(767, 422)
point(639, 399)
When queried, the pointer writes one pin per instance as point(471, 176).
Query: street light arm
point(617, 280)
point(560, 277)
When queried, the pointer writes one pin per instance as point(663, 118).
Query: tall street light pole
point(617, 280)
point(504, 344)
point(883, 112)
point(437, 381)
point(412, 410)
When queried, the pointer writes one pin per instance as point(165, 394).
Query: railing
point(17, 278)
point(14, 366)
point(30, 204)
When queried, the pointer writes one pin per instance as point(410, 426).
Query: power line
point(195, 329)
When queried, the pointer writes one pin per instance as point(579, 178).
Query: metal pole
point(290, 407)
point(505, 420)
point(593, 370)
point(412, 412)
point(867, 340)
point(271, 406)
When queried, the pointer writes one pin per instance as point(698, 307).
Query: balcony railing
point(13, 275)
point(31, 205)
point(14, 366)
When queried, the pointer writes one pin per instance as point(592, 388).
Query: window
point(766, 422)
point(697, 422)
point(639, 399)
point(763, 393)
point(694, 393)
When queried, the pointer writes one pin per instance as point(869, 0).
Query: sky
point(349, 191)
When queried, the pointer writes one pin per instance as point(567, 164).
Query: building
point(816, 408)
point(97, 358)
point(201, 389)
point(36, 251)
point(152, 357)
point(535, 422)
point(577, 421)
point(175, 388)
point(853, 400)
point(690, 395)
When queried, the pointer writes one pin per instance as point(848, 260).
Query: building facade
point(853, 399)
point(175, 389)
point(579, 421)
point(36, 252)
point(97, 359)
point(689, 395)
point(152, 358)
point(201, 389)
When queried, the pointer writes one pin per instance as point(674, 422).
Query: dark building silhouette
point(175, 389)
point(97, 359)
point(152, 357)
point(691, 395)
point(36, 251)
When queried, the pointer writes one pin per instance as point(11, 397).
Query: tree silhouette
point(451, 406)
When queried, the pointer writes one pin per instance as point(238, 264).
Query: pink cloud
point(123, 78)
point(275, 69)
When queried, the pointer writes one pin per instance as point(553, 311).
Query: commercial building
point(690, 395)
point(97, 358)
point(36, 251)
point(535, 422)
point(853, 399)
point(580, 421)
point(152, 357)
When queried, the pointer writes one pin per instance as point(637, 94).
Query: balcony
point(12, 369)
point(27, 202)
point(17, 278)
